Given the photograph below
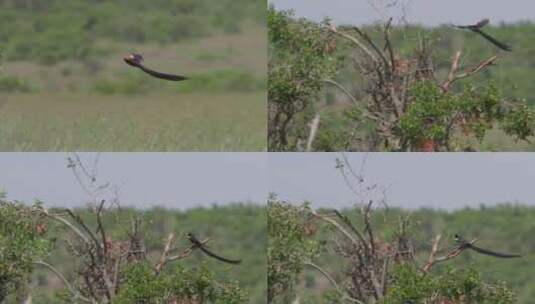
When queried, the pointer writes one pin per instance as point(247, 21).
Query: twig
point(71, 289)
point(355, 41)
point(342, 88)
point(79, 220)
point(336, 225)
point(164, 260)
point(432, 260)
point(367, 226)
point(68, 224)
point(332, 281)
point(375, 48)
point(166, 250)
point(313, 129)
point(384, 275)
point(100, 226)
point(455, 64)
point(351, 226)
point(388, 44)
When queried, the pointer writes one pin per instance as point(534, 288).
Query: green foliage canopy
point(22, 242)
point(288, 248)
point(143, 286)
point(457, 285)
point(299, 62)
point(436, 115)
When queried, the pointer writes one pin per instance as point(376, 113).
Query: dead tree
point(389, 75)
point(368, 258)
point(100, 259)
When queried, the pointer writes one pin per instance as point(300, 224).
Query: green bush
point(21, 244)
point(435, 115)
point(141, 285)
point(298, 65)
point(66, 29)
point(288, 249)
point(14, 84)
point(455, 286)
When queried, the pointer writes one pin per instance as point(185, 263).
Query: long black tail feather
point(208, 252)
point(497, 43)
point(162, 75)
point(492, 253)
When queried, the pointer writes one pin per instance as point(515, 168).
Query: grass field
point(102, 104)
point(89, 122)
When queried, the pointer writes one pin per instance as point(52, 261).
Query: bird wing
point(161, 75)
point(479, 24)
point(208, 252)
point(482, 23)
point(492, 253)
point(497, 43)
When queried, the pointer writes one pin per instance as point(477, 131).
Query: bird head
point(133, 59)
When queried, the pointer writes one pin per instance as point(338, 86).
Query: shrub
point(298, 64)
point(455, 286)
point(13, 84)
point(21, 244)
point(141, 285)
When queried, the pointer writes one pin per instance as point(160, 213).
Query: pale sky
point(426, 12)
point(434, 180)
point(174, 180)
point(184, 180)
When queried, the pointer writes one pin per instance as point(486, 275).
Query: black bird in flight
point(135, 61)
point(477, 29)
point(464, 243)
point(198, 244)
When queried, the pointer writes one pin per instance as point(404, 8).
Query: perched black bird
point(464, 243)
point(477, 29)
point(135, 61)
point(198, 244)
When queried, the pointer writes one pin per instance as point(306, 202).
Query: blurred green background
point(64, 85)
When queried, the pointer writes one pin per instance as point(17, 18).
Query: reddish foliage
point(428, 146)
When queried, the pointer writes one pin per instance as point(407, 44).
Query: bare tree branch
point(314, 125)
point(333, 282)
point(452, 76)
point(433, 259)
point(71, 289)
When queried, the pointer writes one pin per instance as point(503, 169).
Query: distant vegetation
point(63, 29)
point(90, 31)
point(13, 84)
